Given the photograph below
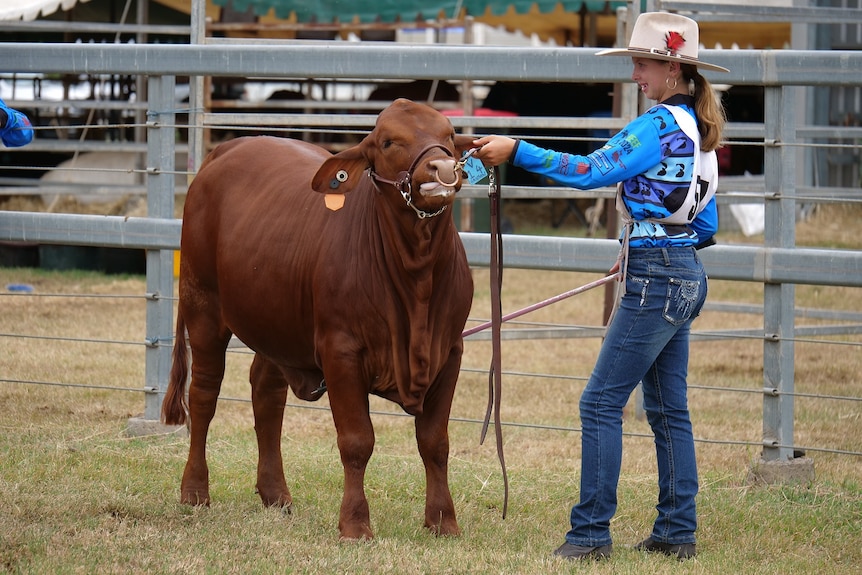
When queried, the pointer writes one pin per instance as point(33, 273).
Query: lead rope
point(623, 261)
point(623, 257)
point(495, 385)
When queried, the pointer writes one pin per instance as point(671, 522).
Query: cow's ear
point(340, 173)
point(463, 143)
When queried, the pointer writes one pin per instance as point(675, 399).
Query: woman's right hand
point(495, 150)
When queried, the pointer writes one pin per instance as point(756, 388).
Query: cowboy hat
point(664, 36)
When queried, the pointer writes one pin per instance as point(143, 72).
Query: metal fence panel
point(726, 262)
point(320, 59)
point(779, 264)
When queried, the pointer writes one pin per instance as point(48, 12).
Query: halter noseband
point(403, 183)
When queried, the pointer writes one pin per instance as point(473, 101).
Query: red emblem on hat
point(674, 41)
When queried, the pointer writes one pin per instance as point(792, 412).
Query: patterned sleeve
point(632, 151)
point(17, 130)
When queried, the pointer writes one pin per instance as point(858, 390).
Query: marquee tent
point(560, 20)
point(33, 9)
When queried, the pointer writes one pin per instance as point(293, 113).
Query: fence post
point(161, 128)
point(777, 463)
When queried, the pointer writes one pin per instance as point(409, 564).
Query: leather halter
point(403, 183)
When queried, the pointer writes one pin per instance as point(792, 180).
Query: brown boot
point(681, 551)
point(578, 553)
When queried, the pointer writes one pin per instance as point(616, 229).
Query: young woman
point(665, 164)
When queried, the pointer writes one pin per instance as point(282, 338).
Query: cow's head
point(412, 150)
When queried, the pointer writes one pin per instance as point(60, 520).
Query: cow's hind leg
point(432, 438)
point(208, 364)
point(268, 397)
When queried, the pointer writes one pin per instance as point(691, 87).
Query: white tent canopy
point(33, 9)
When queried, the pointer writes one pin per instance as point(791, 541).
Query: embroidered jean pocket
point(681, 302)
point(637, 285)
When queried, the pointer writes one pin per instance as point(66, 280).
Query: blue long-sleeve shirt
point(16, 131)
point(653, 160)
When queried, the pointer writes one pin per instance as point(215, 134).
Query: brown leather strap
point(495, 385)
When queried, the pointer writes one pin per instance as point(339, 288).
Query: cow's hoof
point(195, 497)
point(361, 532)
point(286, 507)
point(446, 530)
point(442, 524)
point(278, 499)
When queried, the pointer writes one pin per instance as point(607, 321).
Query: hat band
point(666, 53)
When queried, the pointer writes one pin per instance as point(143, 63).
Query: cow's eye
point(387, 144)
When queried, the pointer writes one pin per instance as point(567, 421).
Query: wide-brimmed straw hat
point(664, 36)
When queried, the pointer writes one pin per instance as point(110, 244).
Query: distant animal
point(428, 91)
point(368, 297)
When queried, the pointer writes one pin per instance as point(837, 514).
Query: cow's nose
point(445, 171)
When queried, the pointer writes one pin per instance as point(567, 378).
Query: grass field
point(77, 495)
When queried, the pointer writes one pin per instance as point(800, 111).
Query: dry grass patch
point(78, 495)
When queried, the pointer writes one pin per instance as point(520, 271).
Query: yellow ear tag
point(334, 201)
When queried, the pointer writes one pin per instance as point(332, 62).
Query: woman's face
point(651, 76)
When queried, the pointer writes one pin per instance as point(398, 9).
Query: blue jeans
point(647, 341)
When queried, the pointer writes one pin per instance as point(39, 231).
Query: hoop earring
point(667, 83)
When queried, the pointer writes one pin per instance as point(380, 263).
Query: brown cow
point(368, 298)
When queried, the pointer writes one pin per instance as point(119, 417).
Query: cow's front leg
point(432, 438)
point(268, 397)
point(355, 443)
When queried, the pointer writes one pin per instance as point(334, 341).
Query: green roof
point(403, 10)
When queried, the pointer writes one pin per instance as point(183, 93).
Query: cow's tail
point(175, 406)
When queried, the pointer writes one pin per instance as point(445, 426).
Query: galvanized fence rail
point(779, 265)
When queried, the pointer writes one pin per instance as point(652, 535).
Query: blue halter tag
point(475, 170)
